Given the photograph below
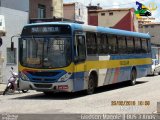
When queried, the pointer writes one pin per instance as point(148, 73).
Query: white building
point(17, 14)
point(14, 22)
point(153, 29)
point(22, 5)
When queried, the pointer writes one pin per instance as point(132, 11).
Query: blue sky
point(122, 4)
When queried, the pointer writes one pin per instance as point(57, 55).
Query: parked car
point(155, 69)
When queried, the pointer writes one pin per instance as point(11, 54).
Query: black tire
point(48, 93)
point(91, 85)
point(24, 91)
point(6, 90)
point(133, 77)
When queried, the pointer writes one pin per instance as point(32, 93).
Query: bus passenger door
point(79, 61)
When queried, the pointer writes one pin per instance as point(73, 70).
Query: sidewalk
point(2, 87)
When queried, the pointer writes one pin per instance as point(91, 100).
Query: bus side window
point(112, 42)
point(102, 43)
point(148, 46)
point(144, 46)
point(80, 48)
point(138, 45)
point(91, 43)
point(130, 45)
point(121, 44)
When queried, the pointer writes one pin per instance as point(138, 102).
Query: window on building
point(110, 13)
point(146, 26)
point(102, 14)
point(11, 56)
point(41, 11)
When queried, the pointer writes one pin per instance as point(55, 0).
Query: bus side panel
point(120, 74)
point(142, 70)
point(103, 74)
point(116, 75)
point(124, 74)
point(78, 81)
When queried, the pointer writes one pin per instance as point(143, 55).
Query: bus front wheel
point(91, 85)
point(133, 77)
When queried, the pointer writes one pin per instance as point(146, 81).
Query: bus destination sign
point(46, 30)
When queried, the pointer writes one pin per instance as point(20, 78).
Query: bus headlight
point(23, 76)
point(65, 77)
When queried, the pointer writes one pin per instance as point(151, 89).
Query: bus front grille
point(43, 74)
point(43, 80)
point(43, 85)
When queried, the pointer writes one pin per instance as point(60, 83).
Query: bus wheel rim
point(91, 86)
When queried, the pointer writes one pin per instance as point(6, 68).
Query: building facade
point(18, 13)
point(40, 9)
point(22, 5)
point(36, 8)
point(2, 33)
point(153, 29)
point(144, 20)
point(76, 12)
point(2, 25)
point(120, 18)
point(13, 26)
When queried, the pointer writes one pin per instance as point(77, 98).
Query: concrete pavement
point(145, 95)
point(2, 87)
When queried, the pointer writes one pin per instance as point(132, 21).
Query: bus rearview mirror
point(76, 60)
point(12, 46)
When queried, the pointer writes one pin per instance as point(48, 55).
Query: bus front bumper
point(66, 86)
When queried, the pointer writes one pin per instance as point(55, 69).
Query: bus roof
point(91, 28)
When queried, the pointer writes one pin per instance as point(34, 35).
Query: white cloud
point(115, 5)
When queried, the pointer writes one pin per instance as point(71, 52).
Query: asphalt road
point(118, 98)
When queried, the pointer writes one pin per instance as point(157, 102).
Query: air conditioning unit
point(2, 25)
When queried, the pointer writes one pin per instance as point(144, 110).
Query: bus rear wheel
point(133, 77)
point(91, 85)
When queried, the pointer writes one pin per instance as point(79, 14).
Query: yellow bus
point(70, 57)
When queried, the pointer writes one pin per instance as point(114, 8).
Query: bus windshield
point(49, 52)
